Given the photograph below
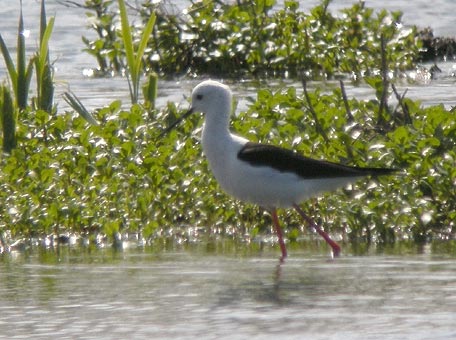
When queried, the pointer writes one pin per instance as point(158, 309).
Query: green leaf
point(9, 63)
point(22, 70)
point(8, 120)
point(44, 47)
point(143, 43)
point(77, 105)
point(128, 45)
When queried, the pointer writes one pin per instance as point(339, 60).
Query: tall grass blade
point(143, 44)
point(77, 105)
point(22, 89)
point(9, 63)
point(134, 58)
point(45, 85)
point(129, 50)
point(8, 120)
point(26, 85)
point(150, 90)
point(44, 43)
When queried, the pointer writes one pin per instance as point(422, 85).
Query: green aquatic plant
point(21, 73)
point(116, 177)
point(150, 90)
point(119, 50)
point(20, 76)
point(106, 47)
point(43, 67)
point(7, 119)
point(79, 107)
point(261, 39)
point(134, 55)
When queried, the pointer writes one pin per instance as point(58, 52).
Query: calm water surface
point(188, 294)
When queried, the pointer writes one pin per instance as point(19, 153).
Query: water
point(188, 294)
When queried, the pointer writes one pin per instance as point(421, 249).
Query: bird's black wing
point(285, 160)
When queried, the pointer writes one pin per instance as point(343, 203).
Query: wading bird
point(267, 175)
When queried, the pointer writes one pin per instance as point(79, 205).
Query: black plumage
point(285, 160)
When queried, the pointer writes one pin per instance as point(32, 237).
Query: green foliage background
point(117, 176)
point(67, 176)
point(251, 39)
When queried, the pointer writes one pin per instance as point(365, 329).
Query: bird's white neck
point(216, 134)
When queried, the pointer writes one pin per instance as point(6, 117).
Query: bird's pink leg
point(279, 233)
point(335, 247)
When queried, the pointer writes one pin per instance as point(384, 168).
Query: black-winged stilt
point(267, 175)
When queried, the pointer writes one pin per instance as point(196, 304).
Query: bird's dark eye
point(199, 96)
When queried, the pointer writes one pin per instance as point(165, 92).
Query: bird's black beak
point(169, 128)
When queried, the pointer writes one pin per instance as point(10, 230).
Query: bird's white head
point(212, 98)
